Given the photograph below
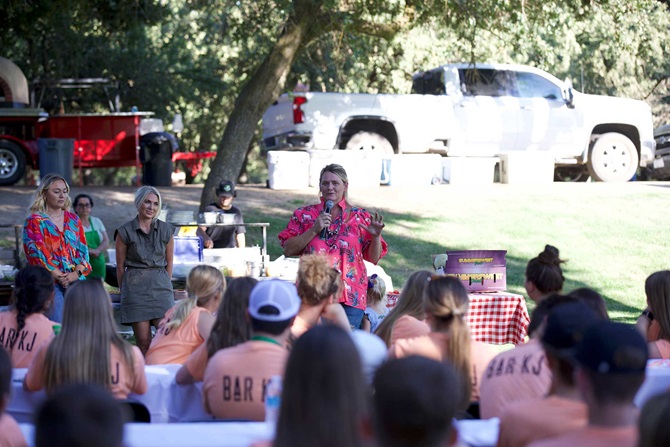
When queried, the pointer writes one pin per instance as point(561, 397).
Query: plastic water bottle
point(272, 403)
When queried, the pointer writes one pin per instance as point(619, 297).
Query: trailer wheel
point(12, 163)
point(369, 141)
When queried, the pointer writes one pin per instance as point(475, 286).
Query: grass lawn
point(610, 234)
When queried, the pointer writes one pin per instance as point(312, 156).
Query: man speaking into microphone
point(347, 234)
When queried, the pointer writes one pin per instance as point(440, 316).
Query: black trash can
point(156, 156)
point(56, 157)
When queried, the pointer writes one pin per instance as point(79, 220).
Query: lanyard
point(267, 339)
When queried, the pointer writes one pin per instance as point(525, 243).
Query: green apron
point(98, 267)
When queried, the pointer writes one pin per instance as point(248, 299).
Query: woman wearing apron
point(96, 235)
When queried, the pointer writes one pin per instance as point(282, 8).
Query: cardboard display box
point(478, 270)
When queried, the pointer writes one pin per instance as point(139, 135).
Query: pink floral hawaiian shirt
point(346, 244)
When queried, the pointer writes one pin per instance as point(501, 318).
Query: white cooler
point(526, 167)
point(468, 170)
point(413, 169)
point(364, 168)
point(288, 169)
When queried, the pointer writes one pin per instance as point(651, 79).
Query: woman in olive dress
point(144, 251)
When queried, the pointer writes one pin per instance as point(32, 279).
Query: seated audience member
point(25, 327)
point(520, 373)
point(417, 410)
point(231, 328)
point(79, 416)
point(654, 323)
point(235, 377)
point(88, 349)
point(188, 324)
point(10, 433)
point(544, 275)
point(377, 299)
point(563, 409)
point(446, 304)
point(319, 286)
point(324, 398)
point(405, 320)
point(653, 421)
point(610, 367)
point(592, 299)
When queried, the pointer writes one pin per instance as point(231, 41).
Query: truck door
point(546, 123)
point(487, 114)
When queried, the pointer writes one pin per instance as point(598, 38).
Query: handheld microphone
point(328, 206)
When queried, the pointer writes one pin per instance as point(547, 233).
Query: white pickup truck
point(478, 110)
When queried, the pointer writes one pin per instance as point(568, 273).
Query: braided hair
point(33, 288)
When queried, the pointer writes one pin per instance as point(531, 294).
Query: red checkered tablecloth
point(498, 317)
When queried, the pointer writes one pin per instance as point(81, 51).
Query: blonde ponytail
point(204, 283)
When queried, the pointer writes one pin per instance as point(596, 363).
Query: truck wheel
point(12, 163)
point(613, 158)
point(369, 141)
point(571, 174)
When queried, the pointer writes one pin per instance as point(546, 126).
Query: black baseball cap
point(226, 188)
point(565, 327)
point(613, 348)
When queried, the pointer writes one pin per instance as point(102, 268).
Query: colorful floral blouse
point(346, 244)
point(45, 245)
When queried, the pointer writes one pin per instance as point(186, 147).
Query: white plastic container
point(468, 170)
point(526, 167)
point(363, 168)
point(414, 169)
point(288, 169)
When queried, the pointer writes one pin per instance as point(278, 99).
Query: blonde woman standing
point(144, 251)
point(188, 324)
point(88, 349)
point(53, 238)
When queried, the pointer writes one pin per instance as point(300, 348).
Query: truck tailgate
point(278, 118)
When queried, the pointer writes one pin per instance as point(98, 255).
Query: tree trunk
point(262, 89)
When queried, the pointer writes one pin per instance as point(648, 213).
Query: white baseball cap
point(282, 295)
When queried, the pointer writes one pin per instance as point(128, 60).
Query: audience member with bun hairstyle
point(231, 328)
point(446, 304)
point(544, 275)
point(88, 349)
point(188, 324)
point(377, 299)
point(33, 295)
point(657, 289)
point(406, 319)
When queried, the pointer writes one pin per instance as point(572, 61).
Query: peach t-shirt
point(196, 363)
point(122, 382)
point(408, 327)
point(527, 421)
point(38, 330)
point(235, 379)
point(433, 346)
point(663, 347)
point(175, 345)
point(594, 436)
point(10, 433)
point(518, 374)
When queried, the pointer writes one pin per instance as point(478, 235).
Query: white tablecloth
point(204, 434)
point(166, 401)
point(657, 380)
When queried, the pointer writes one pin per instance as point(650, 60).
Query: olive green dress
point(146, 290)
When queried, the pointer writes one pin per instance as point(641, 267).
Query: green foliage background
point(193, 57)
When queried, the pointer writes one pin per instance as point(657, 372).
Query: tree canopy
point(221, 64)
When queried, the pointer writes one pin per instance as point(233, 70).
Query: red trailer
point(100, 140)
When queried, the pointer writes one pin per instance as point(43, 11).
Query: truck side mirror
point(568, 93)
